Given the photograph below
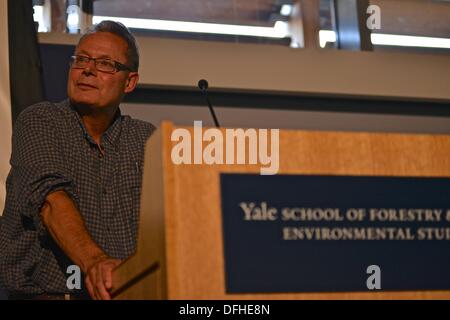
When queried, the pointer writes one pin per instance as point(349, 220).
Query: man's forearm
point(66, 225)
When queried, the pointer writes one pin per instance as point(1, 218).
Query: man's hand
point(64, 222)
point(99, 277)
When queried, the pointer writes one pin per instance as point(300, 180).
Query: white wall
point(5, 103)
point(276, 69)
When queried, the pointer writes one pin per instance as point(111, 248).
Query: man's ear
point(131, 82)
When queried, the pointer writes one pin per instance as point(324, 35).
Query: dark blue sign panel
point(303, 233)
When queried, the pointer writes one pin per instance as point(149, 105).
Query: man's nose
point(90, 68)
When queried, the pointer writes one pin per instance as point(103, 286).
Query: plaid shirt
point(53, 151)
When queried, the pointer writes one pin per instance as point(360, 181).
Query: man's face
point(98, 89)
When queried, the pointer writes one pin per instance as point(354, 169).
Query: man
point(74, 186)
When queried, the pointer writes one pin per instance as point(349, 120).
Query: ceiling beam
point(350, 25)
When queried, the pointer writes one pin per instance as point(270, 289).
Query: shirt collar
point(112, 134)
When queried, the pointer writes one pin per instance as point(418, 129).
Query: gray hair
point(122, 31)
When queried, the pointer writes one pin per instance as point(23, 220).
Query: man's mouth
point(82, 85)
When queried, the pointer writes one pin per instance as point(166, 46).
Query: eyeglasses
point(101, 64)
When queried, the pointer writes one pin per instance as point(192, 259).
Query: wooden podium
point(180, 253)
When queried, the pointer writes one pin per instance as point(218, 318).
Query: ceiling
point(409, 17)
point(251, 12)
point(415, 17)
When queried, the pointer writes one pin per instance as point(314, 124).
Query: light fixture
point(409, 41)
point(381, 39)
point(279, 30)
point(326, 36)
point(286, 10)
point(38, 16)
point(73, 18)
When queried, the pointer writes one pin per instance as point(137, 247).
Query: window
point(404, 24)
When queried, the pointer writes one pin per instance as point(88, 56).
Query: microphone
point(203, 85)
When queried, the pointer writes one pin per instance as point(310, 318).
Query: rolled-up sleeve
point(37, 166)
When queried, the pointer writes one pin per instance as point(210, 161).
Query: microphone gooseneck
point(203, 85)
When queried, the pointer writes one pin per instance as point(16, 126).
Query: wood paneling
point(181, 223)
